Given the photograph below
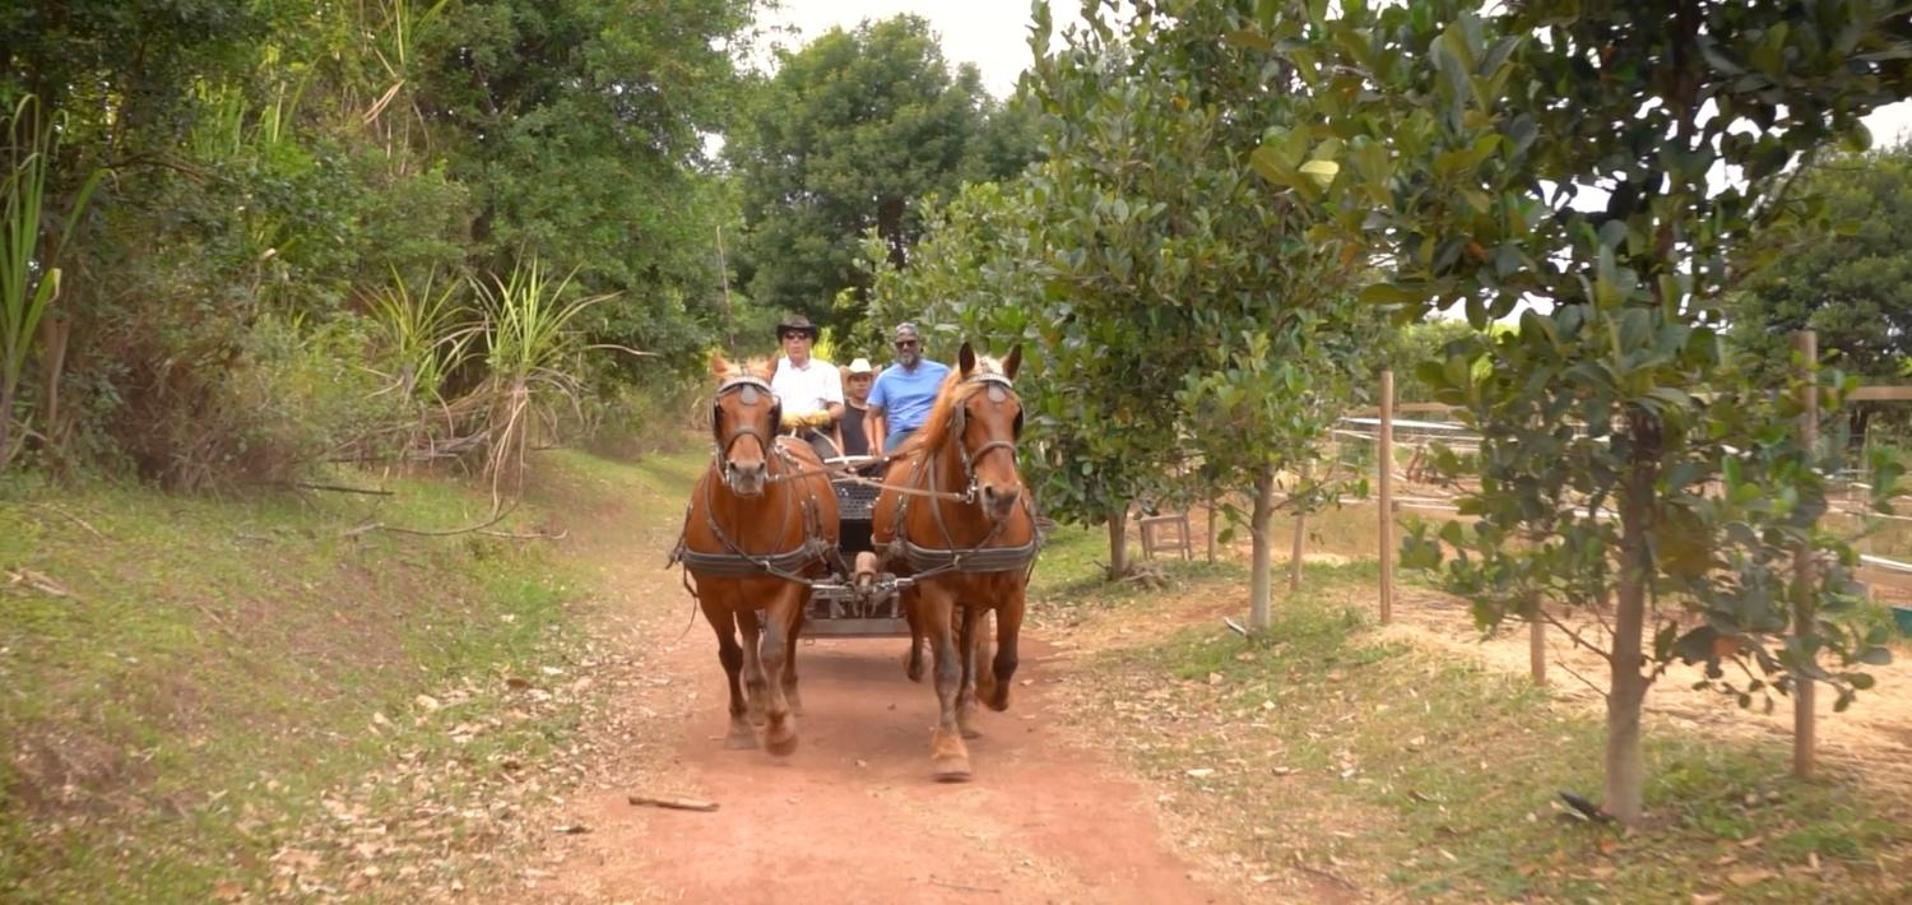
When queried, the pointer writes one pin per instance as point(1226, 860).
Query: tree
point(579, 126)
point(1486, 128)
point(852, 129)
point(1182, 328)
point(1849, 280)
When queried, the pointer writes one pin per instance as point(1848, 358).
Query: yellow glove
point(791, 422)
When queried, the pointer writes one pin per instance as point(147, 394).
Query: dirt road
point(853, 815)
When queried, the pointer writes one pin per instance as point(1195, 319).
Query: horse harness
point(736, 562)
point(982, 557)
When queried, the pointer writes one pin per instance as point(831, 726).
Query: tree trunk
point(1626, 772)
point(1119, 542)
point(1258, 615)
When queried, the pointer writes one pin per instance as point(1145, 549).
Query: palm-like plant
point(29, 273)
point(533, 361)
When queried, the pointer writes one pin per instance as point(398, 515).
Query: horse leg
point(985, 649)
point(757, 688)
point(780, 734)
point(966, 692)
point(913, 662)
point(790, 661)
point(949, 757)
point(732, 657)
point(1008, 628)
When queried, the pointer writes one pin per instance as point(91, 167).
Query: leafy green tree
point(578, 127)
point(1468, 134)
point(850, 131)
point(1849, 280)
point(1180, 326)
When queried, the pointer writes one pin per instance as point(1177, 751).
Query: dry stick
point(961, 888)
point(1805, 718)
point(335, 488)
point(76, 519)
point(496, 517)
point(675, 804)
point(528, 535)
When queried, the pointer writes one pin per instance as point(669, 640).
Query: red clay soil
point(854, 816)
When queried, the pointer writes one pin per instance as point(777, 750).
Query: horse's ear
point(719, 366)
point(966, 360)
point(1014, 361)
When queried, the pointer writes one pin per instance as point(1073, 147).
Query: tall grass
point(428, 333)
point(534, 364)
point(29, 271)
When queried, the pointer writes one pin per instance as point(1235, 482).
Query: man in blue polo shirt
point(903, 395)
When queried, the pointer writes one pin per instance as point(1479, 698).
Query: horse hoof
point(952, 769)
point(781, 738)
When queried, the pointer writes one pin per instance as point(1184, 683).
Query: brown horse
point(762, 521)
point(957, 516)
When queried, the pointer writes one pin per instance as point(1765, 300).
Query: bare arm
point(876, 426)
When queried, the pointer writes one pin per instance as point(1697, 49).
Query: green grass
point(1339, 749)
point(217, 665)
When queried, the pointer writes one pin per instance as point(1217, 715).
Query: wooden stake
point(1805, 718)
point(1385, 462)
point(1537, 648)
point(1211, 525)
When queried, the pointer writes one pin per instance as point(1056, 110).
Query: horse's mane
point(942, 414)
point(758, 367)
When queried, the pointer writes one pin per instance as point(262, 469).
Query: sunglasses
point(906, 344)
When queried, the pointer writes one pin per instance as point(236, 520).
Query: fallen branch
point(335, 488)
point(675, 804)
point(74, 518)
point(1331, 875)
point(961, 888)
point(528, 535)
point(369, 527)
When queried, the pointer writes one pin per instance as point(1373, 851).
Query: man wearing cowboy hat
point(810, 391)
point(902, 397)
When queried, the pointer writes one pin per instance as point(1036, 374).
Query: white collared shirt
point(807, 389)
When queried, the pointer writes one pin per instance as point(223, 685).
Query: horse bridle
point(959, 423)
point(749, 386)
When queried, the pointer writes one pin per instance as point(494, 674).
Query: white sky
point(994, 35)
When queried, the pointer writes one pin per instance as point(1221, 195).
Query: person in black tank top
point(857, 379)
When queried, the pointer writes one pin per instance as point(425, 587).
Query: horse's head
point(986, 422)
point(743, 418)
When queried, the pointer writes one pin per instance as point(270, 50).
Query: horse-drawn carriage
point(780, 543)
point(842, 608)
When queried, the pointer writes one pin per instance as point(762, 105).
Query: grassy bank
point(210, 698)
point(1358, 763)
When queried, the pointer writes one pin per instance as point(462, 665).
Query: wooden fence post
point(1537, 648)
point(1805, 717)
point(1384, 459)
point(1211, 525)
